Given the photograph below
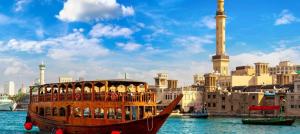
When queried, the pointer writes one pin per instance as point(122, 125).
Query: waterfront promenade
point(12, 123)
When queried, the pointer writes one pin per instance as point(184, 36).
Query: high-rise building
point(9, 88)
point(220, 60)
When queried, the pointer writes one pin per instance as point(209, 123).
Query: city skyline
point(140, 38)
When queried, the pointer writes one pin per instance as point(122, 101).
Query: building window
point(214, 104)
point(223, 106)
point(208, 96)
point(223, 98)
point(214, 96)
point(292, 106)
point(231, 107)
point(208, 104)
point(166, 97)
point(292, 97)
point(253, 97)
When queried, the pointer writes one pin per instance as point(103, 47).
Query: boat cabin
point(92, 102)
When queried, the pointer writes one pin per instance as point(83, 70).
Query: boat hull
point(144, 126)
point(269, 121)
point(7, 106)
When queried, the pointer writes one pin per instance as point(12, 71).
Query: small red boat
point(96, 107)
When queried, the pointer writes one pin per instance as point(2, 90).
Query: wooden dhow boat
point(96, 107)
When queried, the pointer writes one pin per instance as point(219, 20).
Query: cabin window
point(54, 111)
point(36, 109)
point(87, 113)
point(111, 113)
point(148, 110)
point(77, 112)
point(41, 111)
point(127, 113)
point(62, 112)
point(119, 113)
point(47, 111)
point(99, 113)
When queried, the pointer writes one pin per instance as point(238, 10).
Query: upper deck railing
point(103, 90)
point(146, 97)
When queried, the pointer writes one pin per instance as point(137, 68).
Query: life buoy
point(77, 96)
point(59, 131)
point(28, 125)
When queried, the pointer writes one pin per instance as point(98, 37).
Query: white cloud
point(93, 10)
point(19, 6)
point(274, 57)
point(285, 17)
point(100, 30)
point(40, 32)
point(130, 46)
point(4, 19)
point(208, 21)
point(66, 47)
point(193, 44)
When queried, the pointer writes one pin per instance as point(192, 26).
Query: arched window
point(54, 111)
point(48, 111)
point(87, 113)
point(111, 113)
point(99, 113)
point(62, 112)
point(77, 112)
point(119, 113)
point(41, 111)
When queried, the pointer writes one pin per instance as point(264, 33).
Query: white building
point(9, 88)
point(62, 79)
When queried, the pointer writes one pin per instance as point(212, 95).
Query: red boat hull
point(143, 126)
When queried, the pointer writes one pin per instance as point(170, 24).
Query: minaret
point(42, 73)
point(220, 60)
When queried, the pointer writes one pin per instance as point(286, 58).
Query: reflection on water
point(12, 123)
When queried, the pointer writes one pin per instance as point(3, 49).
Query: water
point(12, 123)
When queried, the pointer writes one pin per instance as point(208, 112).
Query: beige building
point(198, 79)
point(244, 71)
point(161, 81)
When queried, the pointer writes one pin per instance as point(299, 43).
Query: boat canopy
point(253, 108)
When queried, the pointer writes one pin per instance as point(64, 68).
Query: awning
point(264, 108)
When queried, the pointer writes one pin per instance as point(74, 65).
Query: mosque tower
point(220, 60)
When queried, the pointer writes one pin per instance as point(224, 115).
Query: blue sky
point(103, 39)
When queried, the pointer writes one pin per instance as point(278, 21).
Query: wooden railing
point(109, 97)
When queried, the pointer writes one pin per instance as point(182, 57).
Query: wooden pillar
point(51, 92)
point(106, 88)
point(146, 87)
point(39, 90)
point(92, 110)
point(73, 92)
point(123, 110)
point(58, 92)
point(105, 113)
point(144, 111)
point(93, 91)
point(138, 113)
point(82, 91)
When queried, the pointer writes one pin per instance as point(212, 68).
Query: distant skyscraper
point(9, 88)
point(220, 60)
point(42, 73)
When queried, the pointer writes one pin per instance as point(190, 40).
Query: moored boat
point(104, 107)
point(199, 114)
point(6, 104)
point(267, 120)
